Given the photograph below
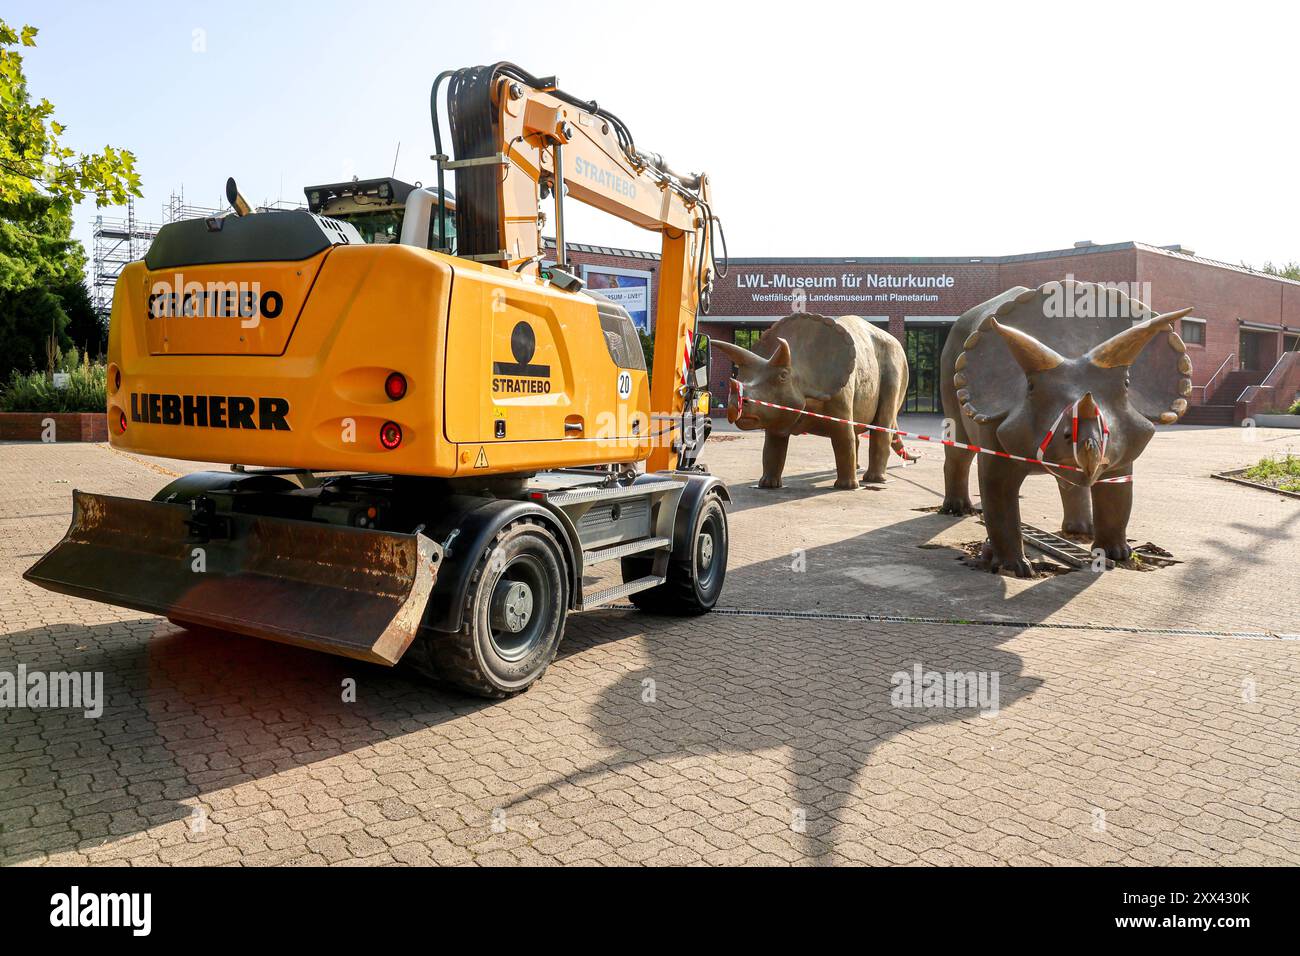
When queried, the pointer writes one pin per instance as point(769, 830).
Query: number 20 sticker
point(624, 384)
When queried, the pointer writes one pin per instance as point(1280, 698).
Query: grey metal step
point(623, 590)
point(585, 495)
point(600, 555)
point(1054, 546)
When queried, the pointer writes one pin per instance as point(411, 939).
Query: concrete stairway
point(1208, 415)
point(1221, 406)
point(1234, 383)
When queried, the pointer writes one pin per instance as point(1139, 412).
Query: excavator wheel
point(515, 610)
point(694, 579)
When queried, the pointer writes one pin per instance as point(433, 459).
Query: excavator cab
point(376, 209)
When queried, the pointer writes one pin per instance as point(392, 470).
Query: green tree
point(42, 268)
point(86, 327)
point(1289, 270)
point(36, 244)
point(32, 155)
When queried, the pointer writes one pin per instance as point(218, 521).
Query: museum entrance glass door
point(923, 346)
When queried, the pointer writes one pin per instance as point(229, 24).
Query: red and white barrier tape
point(1073, 409)
point(1121, 479)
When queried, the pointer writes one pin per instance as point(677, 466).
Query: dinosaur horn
point(781, 355)
point(1123, 348)
point(1031, 354)
point(1087, 406)
point(741, 356)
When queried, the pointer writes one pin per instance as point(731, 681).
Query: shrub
point(31, 392)
point(1283, 472)
point(1295, 408)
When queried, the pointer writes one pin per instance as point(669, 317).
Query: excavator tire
point(515, 611)
point(694, 579)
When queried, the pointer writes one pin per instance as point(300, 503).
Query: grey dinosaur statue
point(1014, 367)
point(843, 367)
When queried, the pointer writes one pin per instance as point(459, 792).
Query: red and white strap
point(1121, 479)
point(1073, 409)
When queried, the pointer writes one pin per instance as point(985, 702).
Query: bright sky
point(828, 129)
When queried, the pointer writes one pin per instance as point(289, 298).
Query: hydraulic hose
point(472, 120)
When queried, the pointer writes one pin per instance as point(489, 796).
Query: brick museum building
point(1243, 337)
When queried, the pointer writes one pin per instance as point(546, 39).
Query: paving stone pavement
point(724, 739)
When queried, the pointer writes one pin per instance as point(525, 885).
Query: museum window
point(747, 337)
point(1193, 332)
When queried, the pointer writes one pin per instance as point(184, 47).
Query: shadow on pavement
point(186, 713)
point(189, 713)
point(816, 693)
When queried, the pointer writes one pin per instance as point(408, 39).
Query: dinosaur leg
point(1076, 501)
point(845, 443)
point(1000, 483)
point(878, 447)
point(774, 449)
point(1112, 505)
point(956, 482)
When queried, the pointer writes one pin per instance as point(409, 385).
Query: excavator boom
point(520, 139)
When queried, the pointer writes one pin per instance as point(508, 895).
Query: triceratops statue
point(1032, 373)
point(843, 367)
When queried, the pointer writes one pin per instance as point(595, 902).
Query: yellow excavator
point(433, 429)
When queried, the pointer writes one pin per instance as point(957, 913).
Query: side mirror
point(700, 361)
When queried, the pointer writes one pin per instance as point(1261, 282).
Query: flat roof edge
point(1073, 252)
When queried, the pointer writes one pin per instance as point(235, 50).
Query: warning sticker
point(481, 460)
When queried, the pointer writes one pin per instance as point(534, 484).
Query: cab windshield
point(385, 226)
point(378, 227)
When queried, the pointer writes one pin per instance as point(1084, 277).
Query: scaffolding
point(117, 242)
point(177, 209)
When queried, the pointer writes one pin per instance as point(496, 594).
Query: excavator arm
point(519, 140)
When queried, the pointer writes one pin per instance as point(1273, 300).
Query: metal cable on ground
point(967, 622)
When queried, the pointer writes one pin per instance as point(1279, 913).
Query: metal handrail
point(1205, 388)
point(1280, 359)
point(1264, 383)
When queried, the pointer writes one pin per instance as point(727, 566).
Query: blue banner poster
point(632, 292)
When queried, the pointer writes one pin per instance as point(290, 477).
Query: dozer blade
point(348, 591)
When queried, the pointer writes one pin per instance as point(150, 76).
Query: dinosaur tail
point(896, 442)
